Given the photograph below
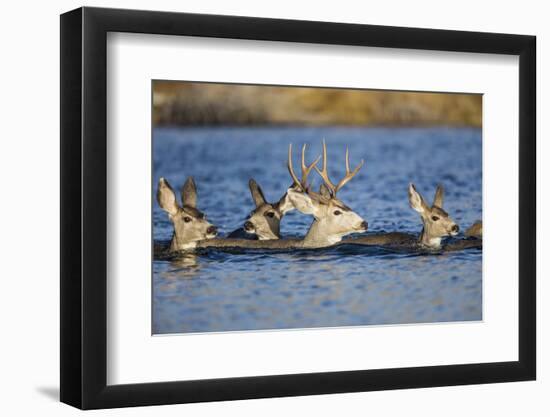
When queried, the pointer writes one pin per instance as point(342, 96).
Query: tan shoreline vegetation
point(196, 104)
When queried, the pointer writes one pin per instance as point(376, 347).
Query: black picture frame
point(84, 207)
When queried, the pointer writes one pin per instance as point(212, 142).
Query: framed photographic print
point(257, 208)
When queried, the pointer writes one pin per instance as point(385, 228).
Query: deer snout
point(455, 229)
point(212, 230)
point(248, 226)
point(364, 225)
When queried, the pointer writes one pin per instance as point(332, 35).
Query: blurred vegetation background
point(195, 104)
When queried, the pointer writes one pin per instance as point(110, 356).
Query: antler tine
point(349, 174)
point(306, 169)
point(290, 169)
point(324, 173)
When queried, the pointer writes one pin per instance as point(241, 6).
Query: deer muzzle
point(212, 231)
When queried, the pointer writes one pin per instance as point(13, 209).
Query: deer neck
point(272, 235)
point(317, 238)
point(175, 245)
point(276, 232)
point(429, 241)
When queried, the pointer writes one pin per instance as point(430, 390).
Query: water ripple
point(342, 286)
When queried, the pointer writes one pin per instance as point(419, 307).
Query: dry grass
point(185, 103)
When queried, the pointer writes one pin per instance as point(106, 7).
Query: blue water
point(218, 291)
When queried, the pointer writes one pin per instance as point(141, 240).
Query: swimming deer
point(190, 224)
point(264, 222)
point(332, 218)
point(436, 221)
point(475, 230)
point(265, 219)
point(437, 224)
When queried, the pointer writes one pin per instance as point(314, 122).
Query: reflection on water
point(345, 286)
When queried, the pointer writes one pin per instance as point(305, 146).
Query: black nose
point(248, 225)
point(455, 228)
point(212, 230)
point(365, 225)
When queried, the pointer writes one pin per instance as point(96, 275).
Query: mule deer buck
point(332, 218)
point(437, 224)
point(190, 224)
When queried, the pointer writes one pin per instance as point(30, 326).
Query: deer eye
point(187, 219)
point(337, 212)
point(270, 214)
point(435, 218)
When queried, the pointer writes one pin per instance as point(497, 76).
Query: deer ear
point(189, 193)
point(302, 202)
point(166, 197)
point(324, 191)
point(285, 205)
point(257, 194)
point(416, 201)
point(438, 198)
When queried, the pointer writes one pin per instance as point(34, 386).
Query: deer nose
point(364, 225)
point(455, 228)
point(212, 230)
point(248, 225)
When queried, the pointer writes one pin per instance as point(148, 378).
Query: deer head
point(437, 223)
point(190, 224)
point(332, 218)
point(475, 230)
point(265, 219)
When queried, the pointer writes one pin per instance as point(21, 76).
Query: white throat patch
point(190, 245)
point(434, 242)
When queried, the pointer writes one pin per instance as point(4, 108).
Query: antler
point(324, 172)
point(302, 184)
point(349, 174)
point(307, 169)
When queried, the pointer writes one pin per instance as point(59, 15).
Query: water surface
point(252, 290)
